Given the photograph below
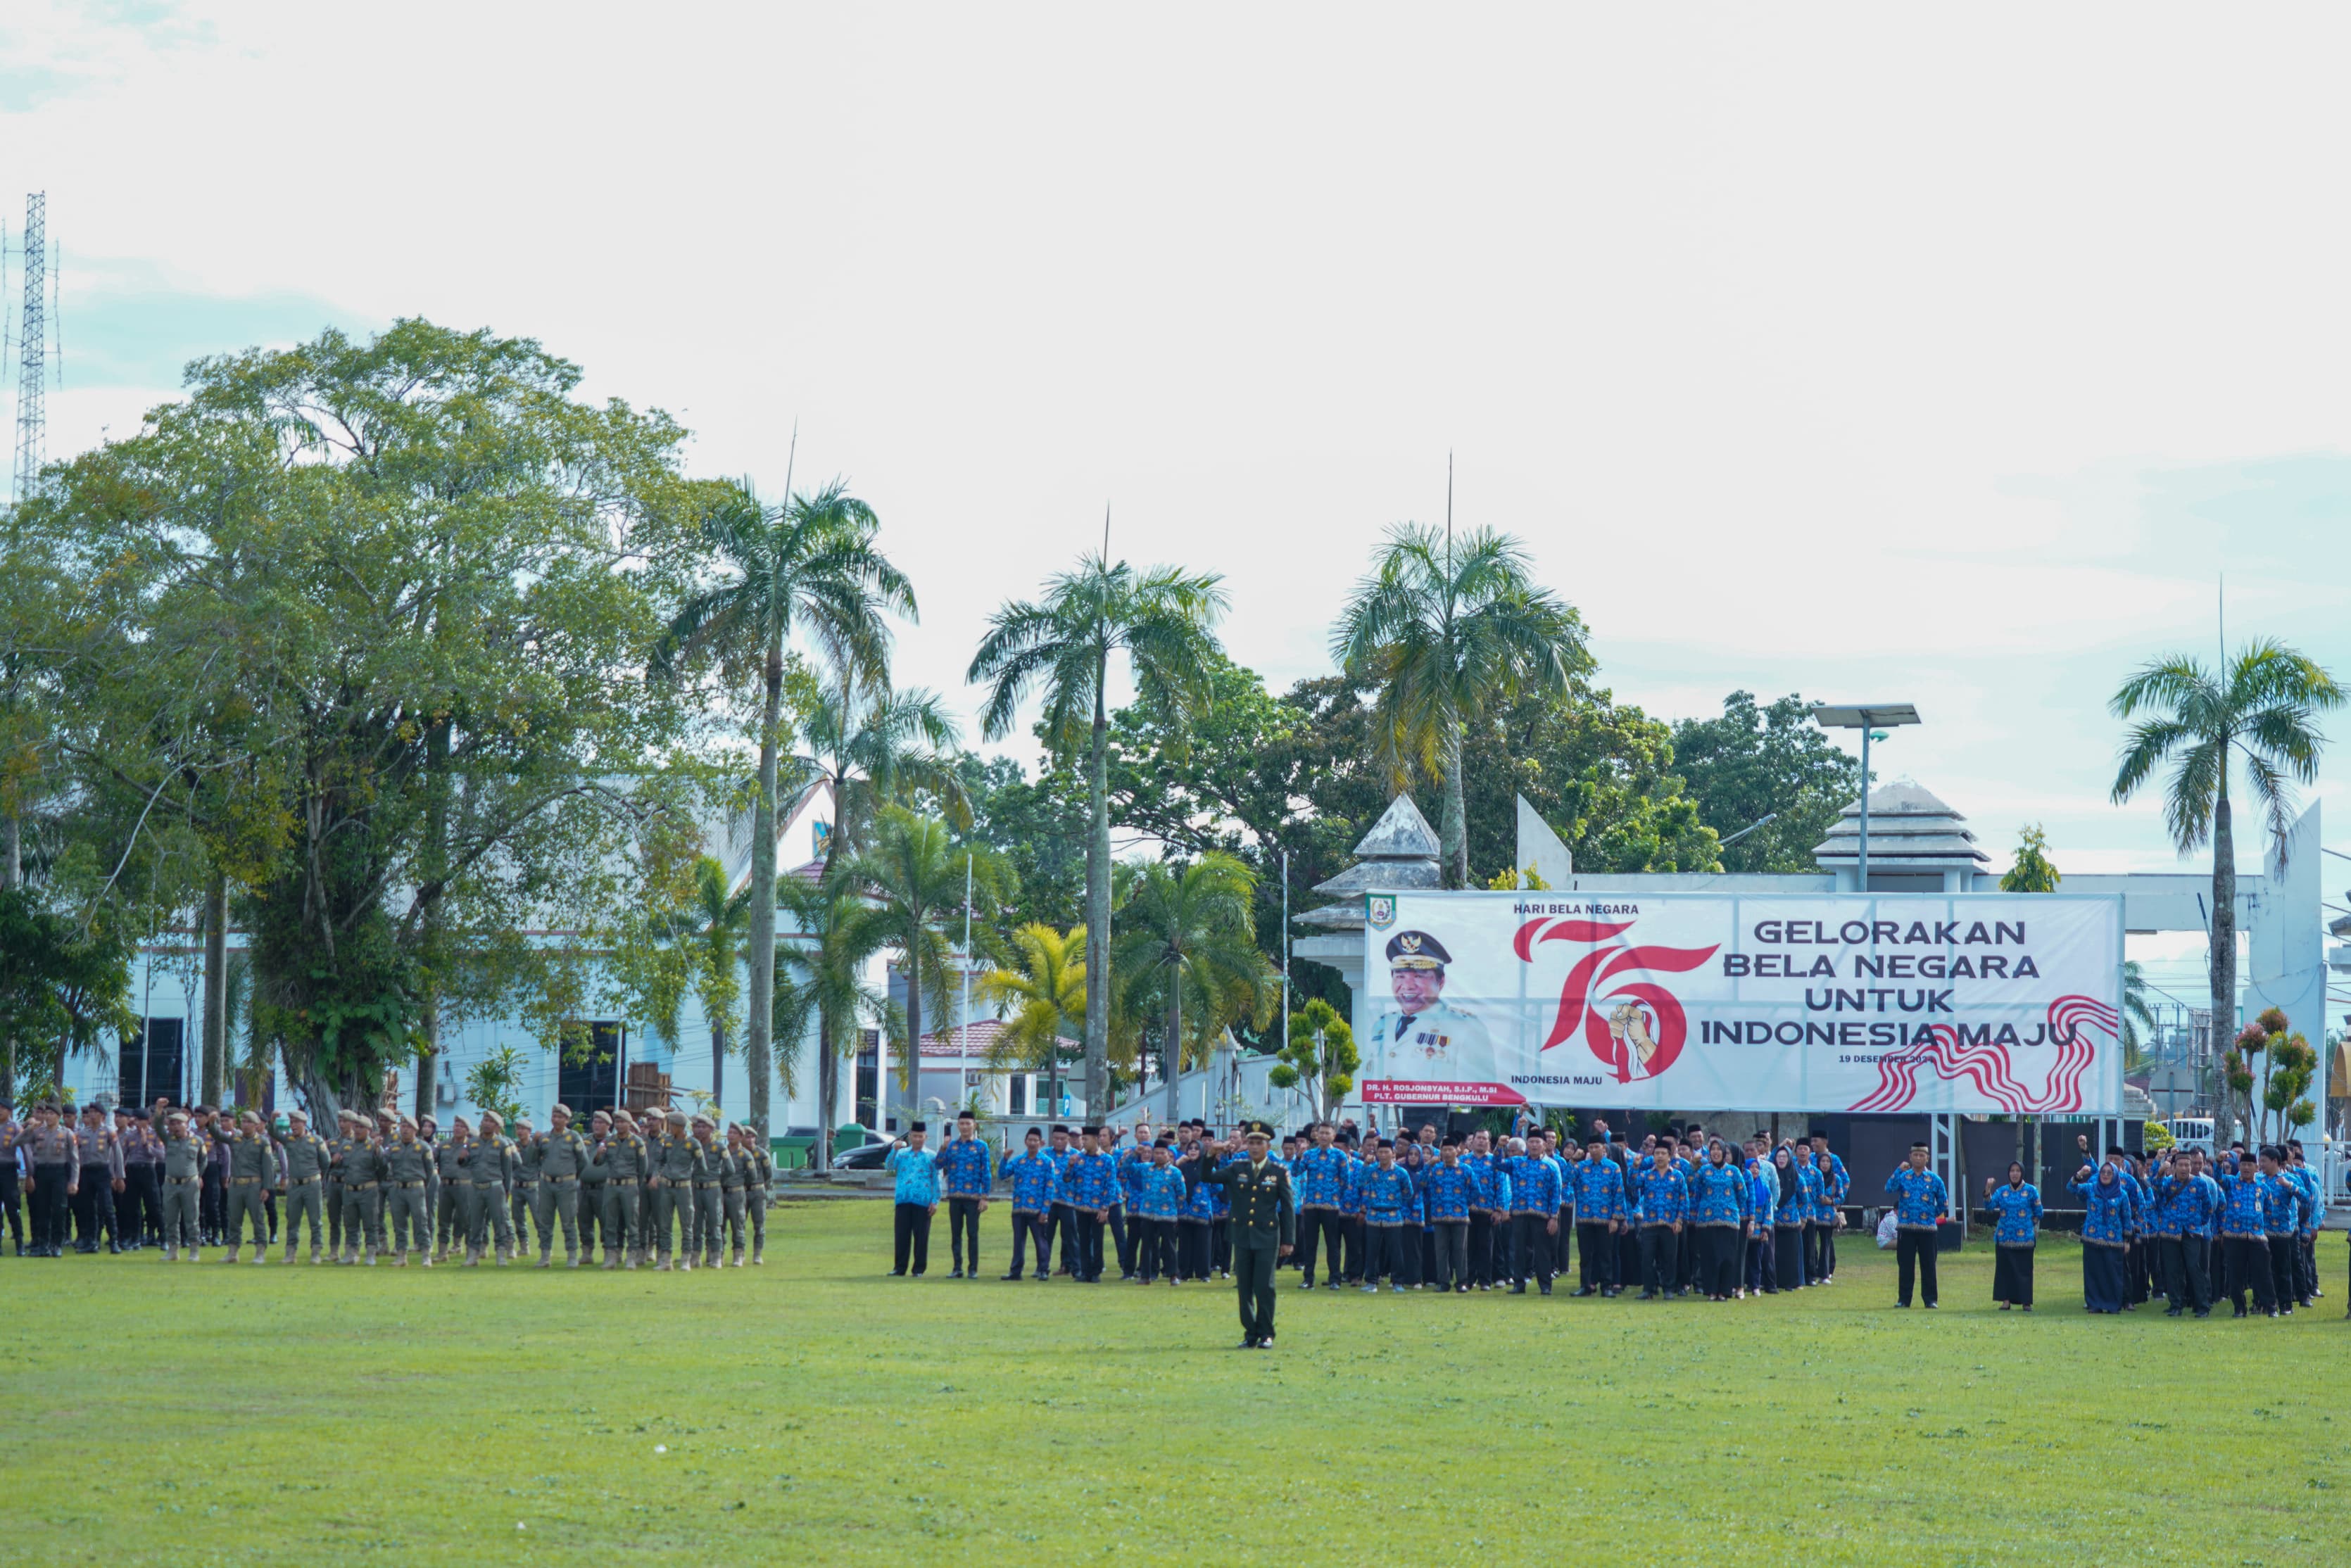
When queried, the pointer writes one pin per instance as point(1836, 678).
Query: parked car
point(868, 1158)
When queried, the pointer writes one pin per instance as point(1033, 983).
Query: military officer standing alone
point(302, 1178)
point(1264, 1227)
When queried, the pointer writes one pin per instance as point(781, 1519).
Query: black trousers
point(2186, 1273)
point(140, 1205)
point(1595, 1250)
point(1788, 1251)
point(2011, 1275)
point(1529, 1250)
point(1721, 1248)
point(1089, 1244)
point(49, 1205)
point(1192, 1249)
point(1120, 1241)
point(1220, 1245)
point(1028, 1227)
point(1685, 1258)
point(2306, 1264)
point(914, 1235)
point(1914, 1253)
point(2248, 1269)
point(2285, 1255)
point(1065, 1232)
point(1451, 1251)
point(963, 1220)
point(211, 1203)
point(1253, 1264)
point(1816, 1252)
point(1154, 1248)
point(1481, 1247)
point(1828, 1248)
point(1629, 1255)
point(1323, 1226)
point(1382, 1252)
point(1763, 1268)
point(1658, 1244)
point(1351, 1227)
point(94, 1208)
point(12, 1205)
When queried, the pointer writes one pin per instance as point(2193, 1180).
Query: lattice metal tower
point(32, 349)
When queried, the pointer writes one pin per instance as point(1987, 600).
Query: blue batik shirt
point(1036, 1182)
point(1660, 1197)
point(1350, 1186)
point(1534, 1186)
point(1448, 1193)
point(2016, 1212)
point(918, 1175)
point(1795, 1206)
point(1599, 1192)
point(2110, 1210)
point(1159, 1194)
point(2190, 1204)
point(1129, 1170)
point(2312, 1197)
point(1091, 1182)
point(2280, 1204)
point(965, 1169)
point(1763, 1190)
point(1386, 1196)
point(1718, 1195)
point(1322, 1177)
point(1828, 1189)
point(1919, 1198)
point(1482, 1180)
point(2242, 1212)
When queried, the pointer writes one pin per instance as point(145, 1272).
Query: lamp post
point(1865, 718)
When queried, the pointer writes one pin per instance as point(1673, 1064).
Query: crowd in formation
point(179, 1180)
point(1684, 1215)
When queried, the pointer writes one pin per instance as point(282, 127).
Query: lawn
point(815, 1409)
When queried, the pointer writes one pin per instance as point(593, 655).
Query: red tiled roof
point(978, 1037)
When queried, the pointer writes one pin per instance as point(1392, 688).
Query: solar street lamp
point(1871, 719)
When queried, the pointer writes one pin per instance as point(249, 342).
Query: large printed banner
point(1974, 1003)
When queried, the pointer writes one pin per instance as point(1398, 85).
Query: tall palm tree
point(707, 933)
point(821, 987)
point(2260, 710)
point(911, 880)
point(1164, 620)
point(806, 567)
point(1044, 993)
point(868, 746)
point(1445, 627)
point(1190, 937)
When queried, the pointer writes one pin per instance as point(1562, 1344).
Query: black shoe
point(897, 1273)
point(1930, 1306)
point(1546, 1289)
point(1011, 1276)
point(2206, 1312)
point(1518, 1290)
point(1246, 1344)
point(1582, 1290)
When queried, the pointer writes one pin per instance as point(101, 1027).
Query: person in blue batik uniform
point(1920, 1201)
point(1158, 1202)
point(1090, 1189)
point(1389, 1216)
point(2244, 1234)
point(1762, 1193)
point(1036, 1188)
point(2015, 1209)
point(1660, 1204)
point(1321, 1176)
point(914, 1200)
point(1061, 1150)
point(2282, 1220)
point(1534, 1218)
point(1835, 1184)
point(1448, 1191)
point(1719, 1212)
point(2312, 1208)
point(2188, 1200)
point(1792, 1208)
point(967, 1172)
point(1599, 1216)
point(2109, 1213)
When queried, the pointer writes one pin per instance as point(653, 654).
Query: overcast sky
point(1870, 352)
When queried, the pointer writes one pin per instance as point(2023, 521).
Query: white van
point(2190, 1132)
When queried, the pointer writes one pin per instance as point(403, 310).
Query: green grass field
point(170, 1413)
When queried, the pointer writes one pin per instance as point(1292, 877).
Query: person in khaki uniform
point(252, 1172)
point(407, 1170)
point(361, 1165)
point(623, 1159)
point(304, 1159)
point(676, 1165)
point(522, 1199)
point(183, 1188)
point(454, 1220)
point(591, 1184)
point(734, 1186)
point(335, 1184)
point(490, 1166)
point(709, 1194)
point(760, 1175)
point(561, 1157)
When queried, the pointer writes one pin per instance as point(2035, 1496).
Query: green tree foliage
point(1446, 631)
point(61, 989)
point(808, 566)
point(2286, 1064)
point(1039, 829)
point(821, 994)
point(912, 879)
point(1320, 1057)
point(494, 1084)
point(1187, 948)
point(2261, 714)
point(1040, 992)
point(1754, 762)
point(2033, 870)
point(377, 613)
point(1163, 620)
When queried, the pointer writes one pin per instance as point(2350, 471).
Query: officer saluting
point(1424, 1036)
point(1264, 1225)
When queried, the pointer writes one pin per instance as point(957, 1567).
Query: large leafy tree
point(703, 938)
point(2260, 712)
point(1188, 941)
point(1163, 620)
point(912, 879)
point(1041, 989)
point(1446, 628)
point(1769, 760)
point(391, 598)
point(61, 989)
point(806, 567)
point(822, 992)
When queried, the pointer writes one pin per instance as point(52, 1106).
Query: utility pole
point(31, 350)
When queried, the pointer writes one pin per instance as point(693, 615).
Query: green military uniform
point(622, 1159)
point(252, 1172)
point(709, 1199)
point(759, 1174)
point(184, 1190)
point(490, 1165)
point(677, 1168)
point(734, 1177)
point(407, 1173)
point(303, 1180)
point(591, 1192)
point(361, 1165)
point(562, 1158)
point(455, 1220)
point(523, 1199)
point(1264, 1225)
point(335, 1190)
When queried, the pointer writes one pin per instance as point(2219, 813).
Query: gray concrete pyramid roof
point(1401, 833)
point(1398, 854)
point(1909, 826)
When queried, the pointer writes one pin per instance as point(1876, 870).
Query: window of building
point(153, 1062)
point(589, 1079)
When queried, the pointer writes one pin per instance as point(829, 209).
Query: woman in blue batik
point(1827, 1215)
point(2107, 1220)
point(1789, 1205)
point(2015, 1209)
